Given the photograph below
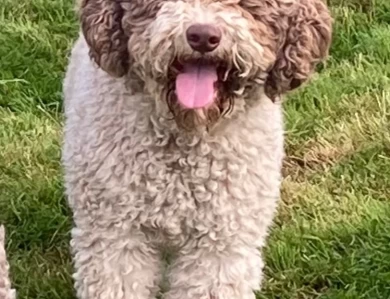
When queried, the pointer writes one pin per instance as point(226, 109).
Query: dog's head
point(208, 58)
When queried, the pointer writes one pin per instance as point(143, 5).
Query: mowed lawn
point(331, 238)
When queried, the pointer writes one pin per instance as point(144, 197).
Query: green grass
point(332, 234)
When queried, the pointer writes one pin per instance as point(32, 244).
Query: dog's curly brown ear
point(305, 44)
point(101, 25)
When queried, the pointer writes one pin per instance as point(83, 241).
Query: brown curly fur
point(302, 31)
point(101, 24)
point(295, 35)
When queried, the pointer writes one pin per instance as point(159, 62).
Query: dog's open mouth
point(201, 91)
point(199, 83)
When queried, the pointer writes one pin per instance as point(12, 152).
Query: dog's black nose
point(203, 37)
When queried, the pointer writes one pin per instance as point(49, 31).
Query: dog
point(6, 292)
point(173, 140)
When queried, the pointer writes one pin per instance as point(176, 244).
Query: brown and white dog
point(174, 139)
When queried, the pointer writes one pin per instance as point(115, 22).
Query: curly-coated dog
point(174, 139)
point(5, 285)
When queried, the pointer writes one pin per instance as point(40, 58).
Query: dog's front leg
point(114, 264)
point(208, 273)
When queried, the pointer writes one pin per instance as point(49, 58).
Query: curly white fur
point(5, 285)
point(134, 188)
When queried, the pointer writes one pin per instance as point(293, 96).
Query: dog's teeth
point(227, 72)
point(239, 91)
point(226, 75)
point(259, 80)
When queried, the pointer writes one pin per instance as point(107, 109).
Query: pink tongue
point(195, 85)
